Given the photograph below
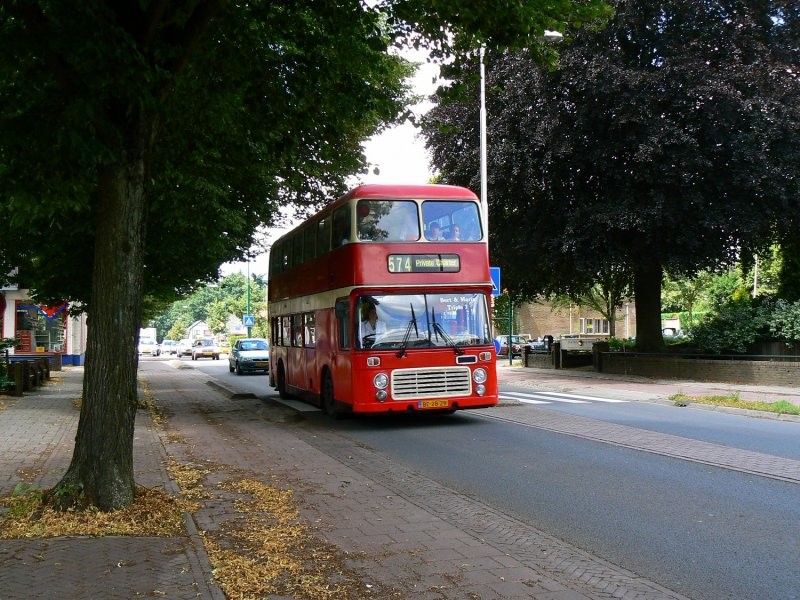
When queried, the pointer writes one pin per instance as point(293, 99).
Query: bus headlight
point(380, 381)
point(480, 389)
point(479, 375)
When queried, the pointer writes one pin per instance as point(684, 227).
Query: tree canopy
point(271, 108)
point(667, 139)
point(143, 142)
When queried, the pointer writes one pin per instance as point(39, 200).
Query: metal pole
point(249, 329)
point(510, 329)
point(484, 193)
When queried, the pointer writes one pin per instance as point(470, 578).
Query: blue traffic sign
point(249, 320)
point(496, 289)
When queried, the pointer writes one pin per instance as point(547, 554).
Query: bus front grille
point(431, 382)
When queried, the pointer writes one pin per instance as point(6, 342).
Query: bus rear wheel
point(328, 399)
point(282, 383)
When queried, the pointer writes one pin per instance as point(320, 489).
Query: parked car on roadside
point(249, 355)
point(169, 347)
point(205, 348)
point(518, 342)
point(149, 346)
point(183, 348)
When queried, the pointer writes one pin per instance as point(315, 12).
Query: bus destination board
point(424, 263)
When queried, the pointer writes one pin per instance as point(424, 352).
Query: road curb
point(232, 394)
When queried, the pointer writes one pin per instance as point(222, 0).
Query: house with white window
point(541, 318)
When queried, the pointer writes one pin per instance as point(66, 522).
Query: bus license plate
point(433, 404)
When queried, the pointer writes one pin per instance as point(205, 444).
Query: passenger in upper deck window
point(455, 234)
point(435, 232)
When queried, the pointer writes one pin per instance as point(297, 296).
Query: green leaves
point(667, 138)
point(258, 105)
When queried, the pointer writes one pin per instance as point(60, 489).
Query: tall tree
point(150, 139)
point(668, 139)
point(156, 137)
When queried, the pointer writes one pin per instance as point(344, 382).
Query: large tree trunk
point(647, 293)
point(101, 471)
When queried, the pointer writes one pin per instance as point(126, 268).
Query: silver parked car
point(183, 348)
point(249, 355)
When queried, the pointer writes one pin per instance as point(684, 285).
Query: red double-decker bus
point(380, 302)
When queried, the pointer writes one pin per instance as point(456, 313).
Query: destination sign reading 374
point(424, 263)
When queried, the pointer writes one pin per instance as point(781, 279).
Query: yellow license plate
point(433, 404)
point(262, 363)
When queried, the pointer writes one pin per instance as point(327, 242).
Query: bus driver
point(371, 327)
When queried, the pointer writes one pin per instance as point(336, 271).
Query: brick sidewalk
point(37, 435)
point(405, 535)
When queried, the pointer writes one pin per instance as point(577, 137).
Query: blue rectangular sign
point(496, 289)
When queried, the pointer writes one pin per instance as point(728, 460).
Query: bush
point(618, 344)
point(737, 325)
point(784, 321)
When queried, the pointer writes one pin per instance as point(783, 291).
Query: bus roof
point(428, 191)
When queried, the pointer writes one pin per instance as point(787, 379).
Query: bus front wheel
point(328, 399)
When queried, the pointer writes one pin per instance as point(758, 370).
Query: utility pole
point(249, 329)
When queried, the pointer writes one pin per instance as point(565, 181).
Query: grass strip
point(783, 407)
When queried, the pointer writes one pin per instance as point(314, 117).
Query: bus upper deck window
point(341, 225)
point(387, 220)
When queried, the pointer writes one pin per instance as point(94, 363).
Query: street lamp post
point(484, 197)
point(249, 329)
point(510, 329)
point(549, 36)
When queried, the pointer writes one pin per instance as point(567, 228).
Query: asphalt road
point(706, 532)
point(779, 438)
point(700, 530)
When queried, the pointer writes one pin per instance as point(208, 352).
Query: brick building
point(540, 318)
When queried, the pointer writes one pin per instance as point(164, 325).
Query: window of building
point(40, 328)
point(597, 326)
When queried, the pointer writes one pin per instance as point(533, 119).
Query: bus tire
point(327, 398)
point(282, 383)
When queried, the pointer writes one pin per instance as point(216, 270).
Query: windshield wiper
point(412, 323)
point(439, 330)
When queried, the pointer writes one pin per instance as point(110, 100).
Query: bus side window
point(324, 236)
point(310, 242)
point(309, 330)
point(297, 249)
point(275, 335)
point(297, 330)
point(341, 226)
point(286, 326)
point(343, 323)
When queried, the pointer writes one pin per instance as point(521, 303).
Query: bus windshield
point(398, 220)
point(441, 319)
